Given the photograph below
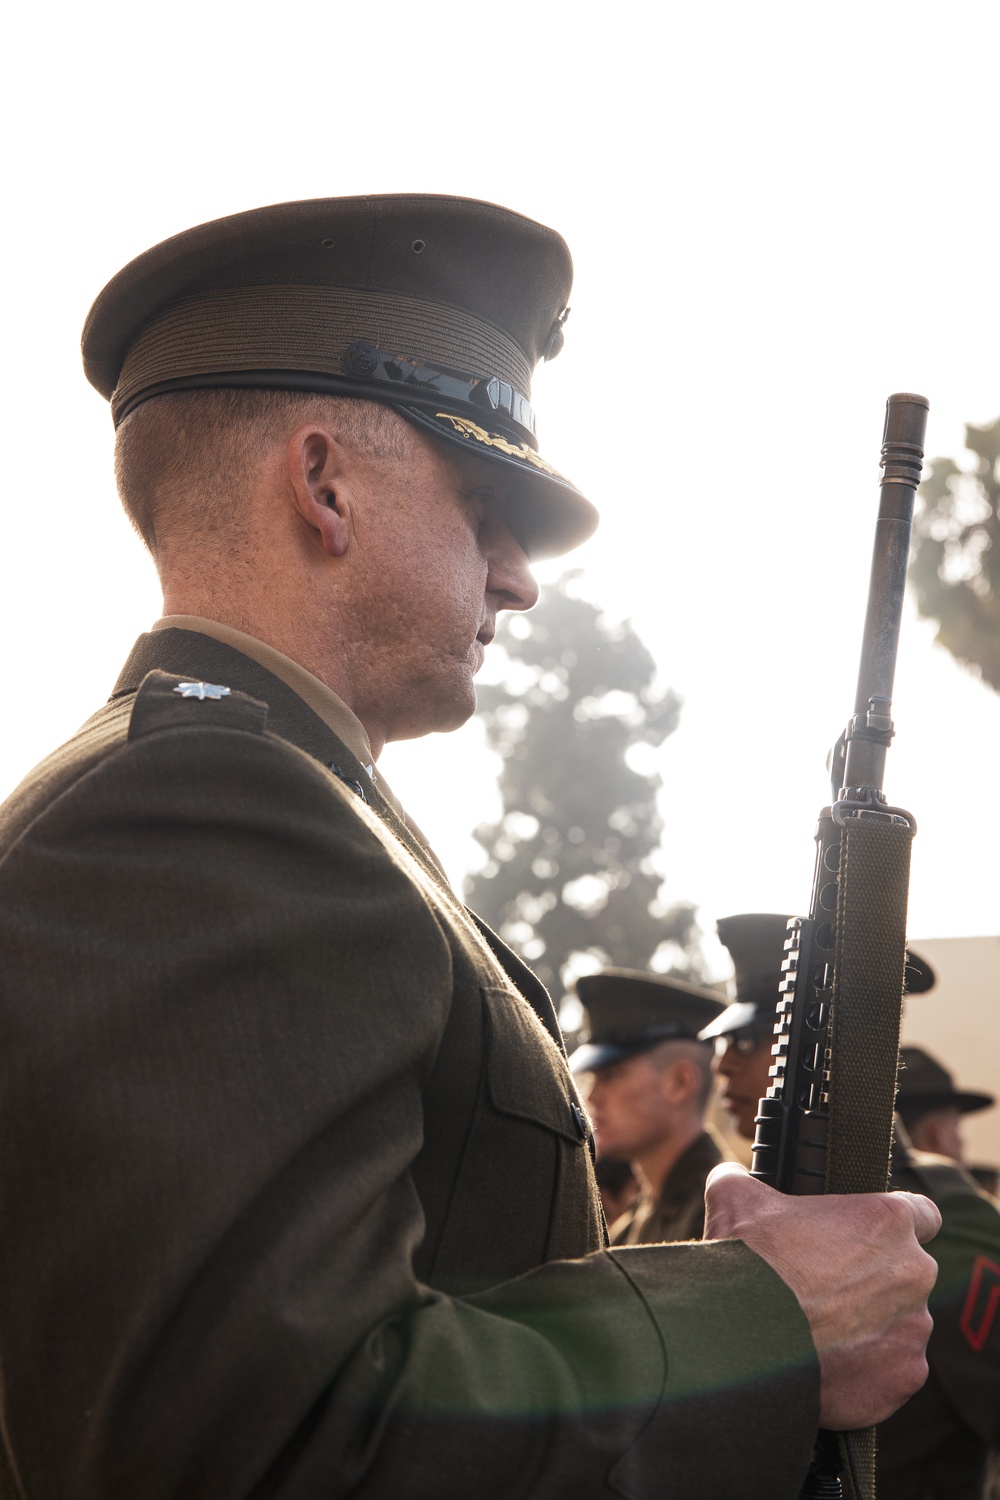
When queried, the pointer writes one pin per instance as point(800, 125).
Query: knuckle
point(893, 1211)
point(916, 1376)
point(908, 1375)
point(929, 1266)
point(926, 1216)
point(726, 1190)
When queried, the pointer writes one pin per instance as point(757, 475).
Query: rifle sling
point(869, 969)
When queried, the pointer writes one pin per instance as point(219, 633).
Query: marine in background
point(650, 1080)
point(938, 1445)
point(932, 1109)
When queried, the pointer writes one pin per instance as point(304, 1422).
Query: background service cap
point(756, 943)
point(925, 1085)
point(441, 307)
point(629, 1011)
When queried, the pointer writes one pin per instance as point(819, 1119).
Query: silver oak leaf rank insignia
point(201, 690)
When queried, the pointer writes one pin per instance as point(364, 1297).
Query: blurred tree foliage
point(955, 567)
point(571, 879)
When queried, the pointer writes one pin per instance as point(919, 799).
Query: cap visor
point(965, 1102)
point(734, 1018)
point(548, 515)
point(968, 1104)
point(593, 1055)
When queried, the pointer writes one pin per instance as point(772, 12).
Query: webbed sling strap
point(865, 1020)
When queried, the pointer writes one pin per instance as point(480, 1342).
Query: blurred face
point(940, 1132)
point(628, 1107)
point(743, 1061)
point(438, 562)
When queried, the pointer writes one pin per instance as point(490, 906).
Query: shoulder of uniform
point(938, 1176)
point(166, 701)
point(714, 1148)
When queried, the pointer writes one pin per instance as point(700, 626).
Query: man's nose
point(510, 578)
point(724, 1061)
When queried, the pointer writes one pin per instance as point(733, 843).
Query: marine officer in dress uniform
point(936, 1447)
point(295, 1185)
point(649, 1084)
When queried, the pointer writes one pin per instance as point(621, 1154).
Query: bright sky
point(779, 213)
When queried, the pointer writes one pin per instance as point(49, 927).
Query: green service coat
point(936, 1447)
point(295, 1194)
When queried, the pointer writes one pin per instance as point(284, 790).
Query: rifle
point(826, 1122)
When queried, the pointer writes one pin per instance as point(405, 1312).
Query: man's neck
point(286, 631)
point(654, 1166)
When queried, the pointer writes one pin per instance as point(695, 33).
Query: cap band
point(412, 380)
point(648, 1037)
point(312, 328)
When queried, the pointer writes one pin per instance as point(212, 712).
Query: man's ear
point(682, 1079)
point(318, 467)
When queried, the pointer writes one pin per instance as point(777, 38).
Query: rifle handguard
point(826, 1122)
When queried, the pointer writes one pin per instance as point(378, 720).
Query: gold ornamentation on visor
point(493, 440)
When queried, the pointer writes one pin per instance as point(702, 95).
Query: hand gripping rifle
point(826, 1123)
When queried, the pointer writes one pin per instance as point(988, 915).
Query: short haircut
point(684, 1049)
point(183, 459)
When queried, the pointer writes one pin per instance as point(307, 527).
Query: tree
point(572, 879)
point(955, 567)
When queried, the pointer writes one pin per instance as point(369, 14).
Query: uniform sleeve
point(221, 993)
point(964, 1350)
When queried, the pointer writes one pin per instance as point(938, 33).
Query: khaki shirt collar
point(323, 701)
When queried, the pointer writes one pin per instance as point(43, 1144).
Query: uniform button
point(583, 1130)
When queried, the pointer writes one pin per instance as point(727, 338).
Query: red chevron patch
point(981, 1303)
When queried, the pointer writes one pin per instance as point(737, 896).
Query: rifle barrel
point(871, 729)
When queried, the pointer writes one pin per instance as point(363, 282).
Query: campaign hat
point(926, 1085)
point(440, 307)
point(756, 943)
point(630, 1011)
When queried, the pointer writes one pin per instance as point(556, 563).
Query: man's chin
point(438, 714)
point(457, 709)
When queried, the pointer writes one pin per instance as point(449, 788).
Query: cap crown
point(440, 307)
point(625, 1006)
point(509, 274)
point(756, 943)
